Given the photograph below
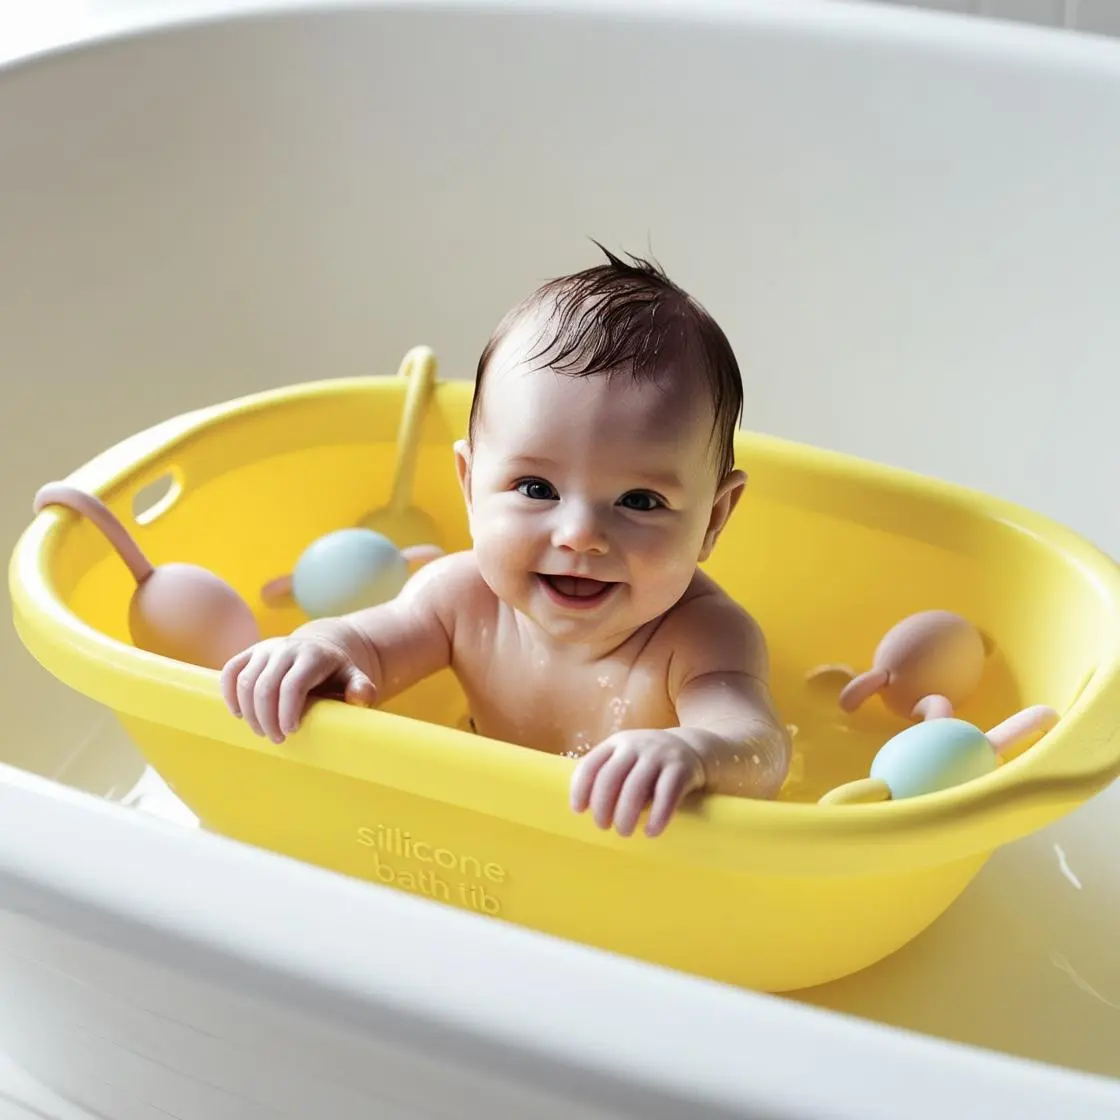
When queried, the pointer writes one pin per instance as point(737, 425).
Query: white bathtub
point(911, 227)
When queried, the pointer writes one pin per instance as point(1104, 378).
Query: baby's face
point(592, 500)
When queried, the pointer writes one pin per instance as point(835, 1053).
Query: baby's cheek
point(501, 542)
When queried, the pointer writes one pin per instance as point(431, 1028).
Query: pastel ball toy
point(347, 570)
point(931, 653)
point(937, 754)
point(180, 611)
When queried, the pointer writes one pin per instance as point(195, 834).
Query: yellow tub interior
point(827, 551)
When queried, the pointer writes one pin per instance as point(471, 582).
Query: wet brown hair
point(629, 316)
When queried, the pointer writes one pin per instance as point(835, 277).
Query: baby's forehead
point(524, 395)
point(520, 383)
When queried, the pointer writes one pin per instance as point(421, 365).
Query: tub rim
point(256, 923)
point(1075, 761)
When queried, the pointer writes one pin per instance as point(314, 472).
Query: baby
point(597, 473)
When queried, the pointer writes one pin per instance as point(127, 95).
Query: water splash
point(796, 768)
point(619, 706)
point(1061, 961)
point(1064, 867)
point(582, 746)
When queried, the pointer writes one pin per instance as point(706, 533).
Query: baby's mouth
point(576, 590)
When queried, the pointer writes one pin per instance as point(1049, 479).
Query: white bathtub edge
point(909, 28)
point(249, 917)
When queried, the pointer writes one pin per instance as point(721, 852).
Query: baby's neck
point(544, 645)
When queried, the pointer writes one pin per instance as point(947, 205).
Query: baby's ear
point(728, 493)
point(463, 469)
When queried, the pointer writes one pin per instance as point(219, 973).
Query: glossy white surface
point(911, 265)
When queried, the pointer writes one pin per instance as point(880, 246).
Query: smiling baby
point(598, 473)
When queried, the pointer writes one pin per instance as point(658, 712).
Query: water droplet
point(1060, 960)
point(1063, 866)
point(618, 706)
point(755, 759)
point(604, 681)
point(796, 769)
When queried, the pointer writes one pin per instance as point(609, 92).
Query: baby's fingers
point(266, 695)
point(230, 673)
point(672, 784)
point(306, 672)
point(635, 795)
point(247, 684)
point(358, 689)
point(608, 784)
point(583, 780)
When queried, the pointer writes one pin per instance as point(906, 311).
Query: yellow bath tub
point(827, 551)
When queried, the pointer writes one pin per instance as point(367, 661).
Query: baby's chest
point(568, 711)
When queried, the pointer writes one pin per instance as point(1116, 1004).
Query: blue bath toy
point(346, 571)
point(938, 753)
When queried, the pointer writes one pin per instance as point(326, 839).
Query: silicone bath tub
point(826, 550)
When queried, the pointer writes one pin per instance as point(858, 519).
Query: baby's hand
point(269, 683)
point(633, 769)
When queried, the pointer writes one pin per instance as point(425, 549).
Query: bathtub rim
point(250, 920)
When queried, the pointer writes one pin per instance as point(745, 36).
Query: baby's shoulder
point(450, 584)
point(707, 631)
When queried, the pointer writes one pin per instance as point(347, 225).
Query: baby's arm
point(366, 657)
point(729, 738)
point(719, 680)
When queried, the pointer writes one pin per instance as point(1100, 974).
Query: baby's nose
point(579, 530)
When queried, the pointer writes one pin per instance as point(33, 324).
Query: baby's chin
point(610, 624)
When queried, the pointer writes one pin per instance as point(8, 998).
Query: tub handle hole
point(155, 499)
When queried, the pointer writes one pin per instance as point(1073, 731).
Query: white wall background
point(1095, 16)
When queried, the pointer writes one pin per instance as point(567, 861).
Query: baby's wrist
point(706, 747)
point(752, 763)
point(345, 637)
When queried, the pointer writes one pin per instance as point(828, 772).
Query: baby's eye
point(641, 500)
point(537, 489)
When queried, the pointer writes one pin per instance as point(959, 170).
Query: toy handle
point(277, 592)
point(87, 505)
point(861, 792)
point(862, 688)
point(1039, 717)
point(419, 366)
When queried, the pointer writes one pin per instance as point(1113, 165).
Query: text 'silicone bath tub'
point(826, 550)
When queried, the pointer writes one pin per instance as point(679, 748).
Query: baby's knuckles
point(661, 747)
